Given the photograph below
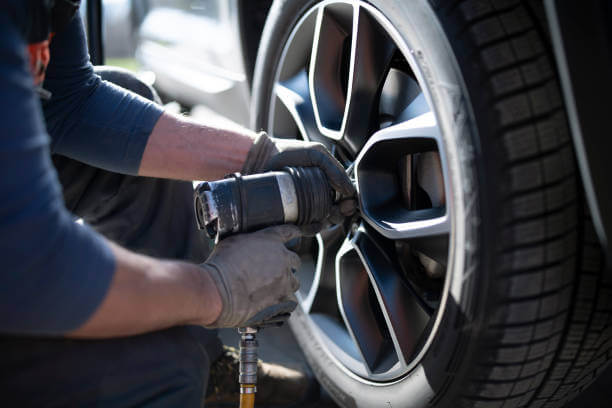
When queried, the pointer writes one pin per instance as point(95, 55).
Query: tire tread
point(548, 333)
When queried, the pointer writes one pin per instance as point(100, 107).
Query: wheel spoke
point(326, 88)
point(398, 92)
point(378, 182)
point(419, 127)
point(416, 108)
point(295, 96)
point(404, 314)
point(359, 309)
point(371, 52)
point(328, 242)
point(408, 224)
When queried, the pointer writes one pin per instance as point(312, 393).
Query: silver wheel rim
point(368, 104)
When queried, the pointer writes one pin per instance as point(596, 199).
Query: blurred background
point(190, 49)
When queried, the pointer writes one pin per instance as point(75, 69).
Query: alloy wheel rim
point(346, 80)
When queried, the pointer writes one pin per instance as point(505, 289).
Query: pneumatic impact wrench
point(239, 204)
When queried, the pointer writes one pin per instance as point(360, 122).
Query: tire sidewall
point(416, 24)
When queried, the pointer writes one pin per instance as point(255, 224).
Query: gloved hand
point(268, 153)
point(254, 275)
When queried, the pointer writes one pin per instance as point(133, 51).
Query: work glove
point(268, 153)
point(254, 276)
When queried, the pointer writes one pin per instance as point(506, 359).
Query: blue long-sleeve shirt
point(88, 119)
point(54, 273)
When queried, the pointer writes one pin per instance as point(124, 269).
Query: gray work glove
point(269, 153)
point(254, 275)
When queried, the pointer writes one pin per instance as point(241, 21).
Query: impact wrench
point(238, 204)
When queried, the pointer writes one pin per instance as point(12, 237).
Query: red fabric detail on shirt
point(39, 59)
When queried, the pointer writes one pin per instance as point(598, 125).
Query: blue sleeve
point(91, 120)
point(54, 272)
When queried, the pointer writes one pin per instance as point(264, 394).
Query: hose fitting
point(248, 365)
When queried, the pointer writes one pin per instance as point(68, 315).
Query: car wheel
point(470, 275)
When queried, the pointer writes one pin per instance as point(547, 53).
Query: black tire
point(531, 326)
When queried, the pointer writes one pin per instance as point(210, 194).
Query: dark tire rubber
point(533, 326)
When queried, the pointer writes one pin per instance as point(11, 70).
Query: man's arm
point(148, 294)
point(98, 123)
point(248, 278)
point(180, 148)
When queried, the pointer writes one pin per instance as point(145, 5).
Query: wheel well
point(253, 14)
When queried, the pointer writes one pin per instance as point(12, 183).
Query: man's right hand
point(254, 276)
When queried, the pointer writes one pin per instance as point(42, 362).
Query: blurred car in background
point(118, 28)
point(195, 48)
point(121, 20)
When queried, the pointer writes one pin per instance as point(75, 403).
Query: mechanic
point(98, 314)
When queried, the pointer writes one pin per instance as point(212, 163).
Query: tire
point(525, 321)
